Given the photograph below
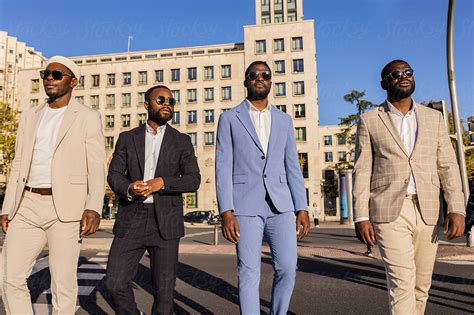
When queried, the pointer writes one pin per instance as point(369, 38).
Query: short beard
point(399, 94)
point(257, 95)
point(157, 118)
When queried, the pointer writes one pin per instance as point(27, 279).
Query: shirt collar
point(150, 130)
point(395, 110)
point(253, 108)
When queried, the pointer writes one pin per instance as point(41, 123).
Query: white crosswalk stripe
point(91, 272)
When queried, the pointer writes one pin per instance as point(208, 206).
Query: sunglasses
point(57, 74)
point(397, 74)
point(162, 100)
point(253, 75)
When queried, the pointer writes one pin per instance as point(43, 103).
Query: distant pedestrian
point(403, 157)
point(316, 214)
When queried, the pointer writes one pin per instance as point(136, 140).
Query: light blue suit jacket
point(244, 175)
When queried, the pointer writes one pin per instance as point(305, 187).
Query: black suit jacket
point(177, 165)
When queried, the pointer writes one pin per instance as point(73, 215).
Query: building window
point(208, 116)
point(226, 93)
point(109, 121)
point(159, 76)
point(95, 101)
point(192, 95)
point(175, 75)
point(192, 74)
point(141, 119)
point(278, 45)
point(300, 111)
point(193, 137)
point(341, 156)
point(127, 78)
point(209, 138)
point(327, 140)
point(281, 107)
point(278, 17)
point(265, 19)
point(80, 82)
point(260, 46)
point(176, 118)
point(95, 80)
point(126, 99)
point(109, 143)
point(303, 159)
point(126, 121)
point(280, 66)
point(291, 16)
point(225, 71)
point(176, 95)
point(34, 102)
point(297, 43)
point(192, 116)
point(300, 133)
point(280, 89)
point(34, 85)
point(298, 88)
point(209, 73)
point(111, 79)
point(141, 98)
point(209, 94)
point(327, 156)
point(110, 100)
point(191, 200)
point(80, 99)
point(341, 140)
point(298, 65)
point(142, 77)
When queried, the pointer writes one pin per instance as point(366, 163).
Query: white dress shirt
point(262, 122)
point(152, 152)
point(407, 128)
point(48, 128)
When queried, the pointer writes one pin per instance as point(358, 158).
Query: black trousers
point(124, 258)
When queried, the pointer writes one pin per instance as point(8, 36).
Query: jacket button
point(405, 181)
point(265, 176)
point(263, 157)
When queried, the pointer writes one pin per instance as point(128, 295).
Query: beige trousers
point(408, 247)
point(36, 224)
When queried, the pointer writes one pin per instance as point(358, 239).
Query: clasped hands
point(144, 189)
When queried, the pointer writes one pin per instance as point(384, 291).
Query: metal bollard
point(216, 234)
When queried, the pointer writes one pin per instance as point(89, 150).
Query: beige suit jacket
point(382, 167)
point(78, 166)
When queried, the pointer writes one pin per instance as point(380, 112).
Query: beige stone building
point(333, 149)
point(14, 56)
point(207, 80)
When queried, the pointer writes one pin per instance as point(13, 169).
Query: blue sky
point(354, 39)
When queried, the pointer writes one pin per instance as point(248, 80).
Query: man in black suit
point(151, 167)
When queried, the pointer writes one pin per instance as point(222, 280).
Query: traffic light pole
point(454, 107)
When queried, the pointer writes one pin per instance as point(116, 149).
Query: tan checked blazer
point(382, 167)
point(78, 166)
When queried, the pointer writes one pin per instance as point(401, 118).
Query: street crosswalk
point(89, 274)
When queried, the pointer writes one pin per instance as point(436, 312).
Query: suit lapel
point(244, 117)
point(420, 121)
point(165, 149)
point(384, 115)
point(275, 130)
point(32, 130)
point(139, 141)
point(69, 117)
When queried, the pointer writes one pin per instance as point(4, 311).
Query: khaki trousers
point(36, 224)
point(408, 247)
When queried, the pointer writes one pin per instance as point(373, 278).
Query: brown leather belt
point(41, 191)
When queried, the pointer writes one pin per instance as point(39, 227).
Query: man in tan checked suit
point(403, 158)
point(55, 190)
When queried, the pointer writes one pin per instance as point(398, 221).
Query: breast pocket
point(239, 179)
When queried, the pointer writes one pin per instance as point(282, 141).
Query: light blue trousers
point(279, 230)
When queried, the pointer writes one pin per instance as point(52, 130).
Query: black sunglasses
point(161, 100)
point(57, 74)
point(253, 75)
point(397, 74)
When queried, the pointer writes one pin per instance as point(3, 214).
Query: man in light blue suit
point(260, 188)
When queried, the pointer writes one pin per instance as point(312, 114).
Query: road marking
point(90, 276)
point(106, 254)
point(199, 234)
point(40, 264)
point(457, 262)
point(92, 266)
point(99, 259)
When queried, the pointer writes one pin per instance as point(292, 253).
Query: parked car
point(198, 217)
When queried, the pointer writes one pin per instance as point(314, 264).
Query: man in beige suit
point(55, 191)
point(403, 158)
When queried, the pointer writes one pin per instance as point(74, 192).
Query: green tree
point(469, 154)
point(8, 127)
point(347, 125)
